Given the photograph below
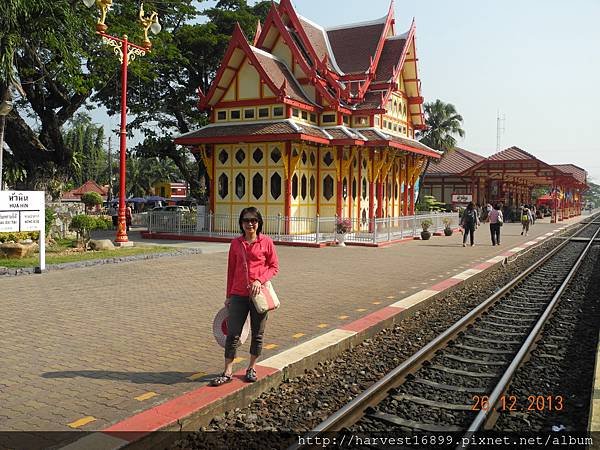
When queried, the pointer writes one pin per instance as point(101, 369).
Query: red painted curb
point(371, 319)
point(443, 285)
point(142, 424)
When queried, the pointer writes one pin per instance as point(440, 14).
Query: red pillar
point(339, 200)
point(122, 221)
point(405, 193)
point(371, 191)
point(288, 187)
point(212, 181)
point(379, 198)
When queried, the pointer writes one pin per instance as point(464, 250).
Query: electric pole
point(500, 128)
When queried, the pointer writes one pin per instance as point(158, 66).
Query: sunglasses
point(252, 221)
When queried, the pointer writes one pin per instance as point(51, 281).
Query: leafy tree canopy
point(51, 49)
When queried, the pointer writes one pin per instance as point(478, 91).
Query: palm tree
point(443, 122)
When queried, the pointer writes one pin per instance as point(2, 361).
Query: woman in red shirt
point(252, 262)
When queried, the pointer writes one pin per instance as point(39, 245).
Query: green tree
point(89, 157)
point(51, 48)
point(443, 123)
point(592, 195)
point(91, 199)
point(84, 225)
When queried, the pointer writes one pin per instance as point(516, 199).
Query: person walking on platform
point(496, 220)
point(469, 222)
point(252, 262)
point(526, 219)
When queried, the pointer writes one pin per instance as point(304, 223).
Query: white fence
point(313, 230)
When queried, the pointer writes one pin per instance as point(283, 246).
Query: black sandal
point(251, 375)
point(221, 379)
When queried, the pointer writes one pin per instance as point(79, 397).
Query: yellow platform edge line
point(81, 422)
point(145, 396)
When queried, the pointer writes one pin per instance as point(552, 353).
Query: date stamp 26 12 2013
point(508, 403)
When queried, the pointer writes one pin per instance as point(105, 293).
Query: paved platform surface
point(85, 348)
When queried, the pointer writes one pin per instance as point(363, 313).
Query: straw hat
point(220, 327)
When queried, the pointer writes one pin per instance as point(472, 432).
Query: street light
point(6, 107)
point(124, 50)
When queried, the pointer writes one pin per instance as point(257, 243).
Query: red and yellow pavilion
point(313, 121)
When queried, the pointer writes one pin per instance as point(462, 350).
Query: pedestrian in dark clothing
point(252, 262)
point(496, 220)
point(469, 222)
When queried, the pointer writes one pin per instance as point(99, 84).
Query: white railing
point(314, 230)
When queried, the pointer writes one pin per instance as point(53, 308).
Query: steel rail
point(484, 415)
point(374, 394)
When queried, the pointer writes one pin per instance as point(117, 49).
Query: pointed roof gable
point(270, 69)
point(575, 171)
point(280, 75)
point(511, 154)
point(354, 45)
point(88, 186)
point(390, 58)
point(454, 162)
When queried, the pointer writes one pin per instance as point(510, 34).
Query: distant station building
point(506, 177)
point(310, 121)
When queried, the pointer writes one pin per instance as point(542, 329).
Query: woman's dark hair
point(498, 206)
point(471, 205)
point(256, 212)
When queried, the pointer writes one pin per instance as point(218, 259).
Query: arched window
point(223, 156)
point(345, 188)
point(223, 187)
point(364, 188)
point(303, 187)
point(257, 156)
point(354, 188)
point(328, 187)
point(275, 185)
point(240, 185)
point(275, 155)
point(312, 187)
point(328, 159)
point(257, 186)
point(295, 186)
point(240, 155)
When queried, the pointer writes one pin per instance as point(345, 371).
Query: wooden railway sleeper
point(450, 387)
point(491, 341)
point(434, 403)
point(466, 373)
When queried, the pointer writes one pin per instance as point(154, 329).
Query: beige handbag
point(266, 299)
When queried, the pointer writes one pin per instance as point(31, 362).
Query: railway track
point(457, 382)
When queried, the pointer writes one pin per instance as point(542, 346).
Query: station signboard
point(24, 211)
point(462, 198)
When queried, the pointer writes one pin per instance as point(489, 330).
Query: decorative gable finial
point(257, 34)
point(283, 88)
point(202, 100)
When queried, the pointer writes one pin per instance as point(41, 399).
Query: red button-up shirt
point(263, 264)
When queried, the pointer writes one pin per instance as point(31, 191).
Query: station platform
point(121, 350)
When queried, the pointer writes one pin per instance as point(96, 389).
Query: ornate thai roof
point(287, 129)
point(575, 171)
point(354, 45)
point(454, 162)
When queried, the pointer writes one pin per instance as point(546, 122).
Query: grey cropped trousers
point(239, 307)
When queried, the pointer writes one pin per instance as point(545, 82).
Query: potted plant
point(447, 230)
point(425, 224)
point(342, 226)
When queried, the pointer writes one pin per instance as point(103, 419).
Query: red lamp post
point(124, 50)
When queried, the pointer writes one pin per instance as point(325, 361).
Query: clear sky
point(535, 61)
